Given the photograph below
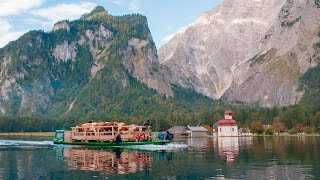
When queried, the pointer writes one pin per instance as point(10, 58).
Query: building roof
point(228, 112)
point(197, 129)
point(227, 122)
point(178, 130)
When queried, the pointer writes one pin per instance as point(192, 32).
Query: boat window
point(59, 135)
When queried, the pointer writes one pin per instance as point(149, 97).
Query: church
point(226, 126)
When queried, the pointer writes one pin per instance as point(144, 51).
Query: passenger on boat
point(165, 136)
point(169, 136)
point(147, 123)
point(118, 139)
point(91, 120)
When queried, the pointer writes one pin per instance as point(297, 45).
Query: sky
point(165, 17)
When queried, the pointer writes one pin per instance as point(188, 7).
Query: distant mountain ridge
point(99, 66)
point(82, 67)
point(107, 66)
point(252, 51)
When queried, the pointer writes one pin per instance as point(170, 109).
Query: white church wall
point(227, 131)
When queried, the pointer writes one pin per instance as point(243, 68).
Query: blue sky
point(165, 17)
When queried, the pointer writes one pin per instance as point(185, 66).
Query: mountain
point(254, 51)
point(106, 67)
point(99, 65)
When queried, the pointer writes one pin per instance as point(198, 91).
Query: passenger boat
point(109, 134)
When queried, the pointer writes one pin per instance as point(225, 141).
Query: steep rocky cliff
point(80, 67)
point(252, 51)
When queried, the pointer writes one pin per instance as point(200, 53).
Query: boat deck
point(131, 143)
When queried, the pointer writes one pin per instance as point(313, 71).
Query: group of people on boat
point(165, 136)
point(143, 135)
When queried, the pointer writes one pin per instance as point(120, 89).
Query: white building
point(197, 131)
point(227, 126)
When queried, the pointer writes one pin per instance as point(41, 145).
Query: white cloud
point(64, 11)
point(5, 35)
point(117, 2)
point(14, 7)
point(131, 5)
point(41, 24)
point(134, 5)
point(5, 26)
point(10, 36)
point(168, 37)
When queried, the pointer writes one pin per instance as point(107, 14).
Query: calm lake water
point(197, 158)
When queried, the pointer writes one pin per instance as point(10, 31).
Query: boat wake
point(167, 147)
point(25, 144)
point(46, 144)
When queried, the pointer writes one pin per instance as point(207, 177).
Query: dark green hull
point(109, 144)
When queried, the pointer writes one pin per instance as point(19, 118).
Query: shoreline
point(288, 135)
point(264, 135)
point(51, 134)
point(27, 134)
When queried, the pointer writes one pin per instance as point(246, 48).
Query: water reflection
point(1, 169)
point(228, 147)
point(245, 142)
point(204, 158)
point(202, 143)
point(115, 161)
point(165, 156)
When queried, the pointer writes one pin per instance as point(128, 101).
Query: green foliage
point(28, 124)
point(257, 127)
point(298, 128)
point(278, 126)
point(260, 58)
point(316, 121)
point(65, 93)
point(308, 130)
point(290, 23)
point(269, 130)
point(310, 83)
point(293, 115)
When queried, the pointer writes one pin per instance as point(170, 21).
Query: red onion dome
point(227, 122)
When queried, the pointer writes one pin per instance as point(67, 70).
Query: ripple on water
point(167, 147)
point(25, 144)
point(2, 173)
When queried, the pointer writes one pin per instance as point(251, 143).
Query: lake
point(196, 158)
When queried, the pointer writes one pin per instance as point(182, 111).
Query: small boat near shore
point(110, 134)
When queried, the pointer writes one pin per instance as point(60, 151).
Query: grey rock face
point(317, 2)
point(141, 60)
point(64, 52)
point(53, 73)
point(252, 51)
point(61, 25)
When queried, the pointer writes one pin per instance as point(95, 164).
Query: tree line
point(293, 119)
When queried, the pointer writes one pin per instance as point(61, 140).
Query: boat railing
point(106, 133)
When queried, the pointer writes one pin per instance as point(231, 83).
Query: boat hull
point(114, 144)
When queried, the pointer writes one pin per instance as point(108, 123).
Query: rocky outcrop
point(61, 25)
point(80, 66)
point(288, 52)
point(65, 52)
point(145, 66)
point(251, 51)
